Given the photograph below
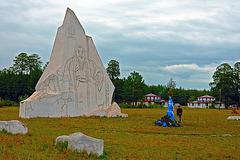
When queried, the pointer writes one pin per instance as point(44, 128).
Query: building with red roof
point(204, 102)
point(151, 98)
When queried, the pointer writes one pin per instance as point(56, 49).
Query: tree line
point(225, 86)
point(133, 88)
point(20, 81)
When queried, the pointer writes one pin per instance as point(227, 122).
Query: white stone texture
point(234, 117)
point(75, 82)
point(14, 127)
point(79, 141)
point(225, 135)
point(112, 111)
point(61, 139)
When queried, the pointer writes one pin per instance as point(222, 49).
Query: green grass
point(135, 137)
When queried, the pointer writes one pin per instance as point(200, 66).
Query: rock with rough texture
point(75, 82)
point(112, 111)
point(166, 121)
point(225, 135)
point(234, 117)
point(14, 127)
point(61, 139)
point(81, 142)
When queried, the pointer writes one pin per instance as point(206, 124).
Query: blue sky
point(185, 40)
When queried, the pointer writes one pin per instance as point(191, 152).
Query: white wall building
point(205, 102)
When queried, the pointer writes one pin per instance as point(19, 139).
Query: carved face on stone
point(80, 52)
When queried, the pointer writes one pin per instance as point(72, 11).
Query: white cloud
point(189, 68)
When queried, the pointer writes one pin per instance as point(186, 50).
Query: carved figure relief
point(76, 83)
point(107, 94)
point(50, 85)
point(71, 39)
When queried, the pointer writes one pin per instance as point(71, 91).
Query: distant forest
point(20, 80)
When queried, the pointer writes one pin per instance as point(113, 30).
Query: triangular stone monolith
point(75, 82)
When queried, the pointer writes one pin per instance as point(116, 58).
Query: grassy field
point(205, 134)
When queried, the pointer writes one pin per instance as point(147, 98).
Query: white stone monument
point(75, 82)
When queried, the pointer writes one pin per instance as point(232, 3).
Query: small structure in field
point(204, 102)
point(151, 99)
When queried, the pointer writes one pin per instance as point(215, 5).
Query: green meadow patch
point(205, 134)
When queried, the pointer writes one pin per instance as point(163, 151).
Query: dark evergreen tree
point(33, 62)
point(171, 83)
point(20, 63)
point(133, 87)
point(45, 66)
point(21, 79)
point(113, 69)
point(118, 92)
point(236, 73)
point(224, 84)
point(33, 79)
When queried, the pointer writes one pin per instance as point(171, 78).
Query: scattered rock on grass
point(234, 117)
point(225, 135)
point(13, 126)
point(79, 141)
point(61, 139)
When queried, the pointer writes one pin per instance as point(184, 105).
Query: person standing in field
point(179, 113)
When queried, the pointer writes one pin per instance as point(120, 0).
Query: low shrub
point(21, 98)
point(158, 106)
point(212, 106)
point(9, 103)
point(128, 106)
point(1, 102)
point(104, 155)
point(5, 131)
point(141, 106)
point(62, 146)
point(155, 106)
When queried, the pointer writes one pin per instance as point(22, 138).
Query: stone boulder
point(234, 117)
point(61, 139)
point(80, 142)
point(112, 111)
point(14, 127)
